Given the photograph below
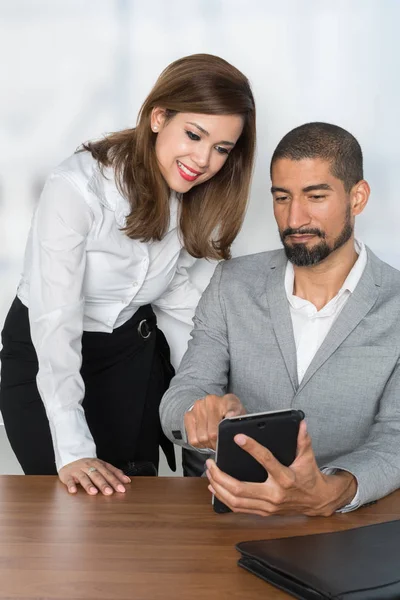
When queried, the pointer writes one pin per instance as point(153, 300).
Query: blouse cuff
point(72, 439)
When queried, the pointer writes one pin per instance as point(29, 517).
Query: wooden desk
point(159, 541)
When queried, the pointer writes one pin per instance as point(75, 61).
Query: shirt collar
point(352, 279)
point(349, 284)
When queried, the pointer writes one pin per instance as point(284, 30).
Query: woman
point(84, 366)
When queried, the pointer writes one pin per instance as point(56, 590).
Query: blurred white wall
point(72, 70)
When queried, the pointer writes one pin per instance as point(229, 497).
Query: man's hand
point(201, 423)
point(298, 489)
point(93, 475)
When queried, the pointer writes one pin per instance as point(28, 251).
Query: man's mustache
point(290, 231)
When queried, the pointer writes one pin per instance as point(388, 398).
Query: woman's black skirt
point(125, 373)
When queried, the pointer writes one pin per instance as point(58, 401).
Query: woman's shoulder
point(80, 168)
point(96, 183)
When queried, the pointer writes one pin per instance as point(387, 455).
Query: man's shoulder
point(254, 263)
point(386, 276)
point(251, 270)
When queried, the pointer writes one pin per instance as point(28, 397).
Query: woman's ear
point(157, 118)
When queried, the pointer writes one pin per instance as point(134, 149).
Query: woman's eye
point(192, 136)
point(221, 150)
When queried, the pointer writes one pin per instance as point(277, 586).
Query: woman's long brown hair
point(211, 213)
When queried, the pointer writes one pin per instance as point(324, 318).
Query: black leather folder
point(356, 564)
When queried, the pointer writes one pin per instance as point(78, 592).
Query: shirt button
point(135, 284)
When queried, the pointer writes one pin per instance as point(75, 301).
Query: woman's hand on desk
point(93, 475)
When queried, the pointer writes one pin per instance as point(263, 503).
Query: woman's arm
point(59, 232)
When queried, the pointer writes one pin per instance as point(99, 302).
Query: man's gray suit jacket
point(243, 342)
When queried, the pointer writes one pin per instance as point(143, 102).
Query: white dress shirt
point(82, 273)
point(311, 326)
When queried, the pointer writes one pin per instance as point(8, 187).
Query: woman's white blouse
point(82, 273)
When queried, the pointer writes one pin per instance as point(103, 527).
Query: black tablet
point(276, 430)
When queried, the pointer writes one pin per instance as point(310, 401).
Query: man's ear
point(359, 197)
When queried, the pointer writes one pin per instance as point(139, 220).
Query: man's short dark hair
point(327, 142)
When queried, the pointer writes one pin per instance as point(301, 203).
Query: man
point(314, 326)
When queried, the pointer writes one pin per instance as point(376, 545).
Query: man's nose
point(298, 214)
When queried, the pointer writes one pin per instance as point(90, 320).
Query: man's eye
point(192, 136)
point(317, 197)
point(221, 150)
point(280, 198)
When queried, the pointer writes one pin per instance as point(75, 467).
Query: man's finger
point(262, 455)
point(233, 493)
point(232, 406)
point(212, 433)
point(242, 510)
point(235, 487)
point(196, 429)
point(249, 497)
point(232, 413)
point(191, 430)
point(303, 440)
point(204, 418)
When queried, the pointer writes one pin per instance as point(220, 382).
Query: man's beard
point(301, 256)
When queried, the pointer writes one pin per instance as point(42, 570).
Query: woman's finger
point(109, 477)
point(71, 485)
point(86, 482)
point(117, 472)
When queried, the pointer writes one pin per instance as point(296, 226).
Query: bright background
point(72, 70)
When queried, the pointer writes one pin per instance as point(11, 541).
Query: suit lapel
point(358, 305)
point(280, 316)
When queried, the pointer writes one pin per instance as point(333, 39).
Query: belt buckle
point(144, 330)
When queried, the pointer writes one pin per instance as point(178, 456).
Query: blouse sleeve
point(59, 232)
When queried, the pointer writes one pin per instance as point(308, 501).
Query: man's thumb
point(232, 413)
point(234, 406)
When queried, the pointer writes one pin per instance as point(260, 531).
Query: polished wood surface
point(159, 541)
